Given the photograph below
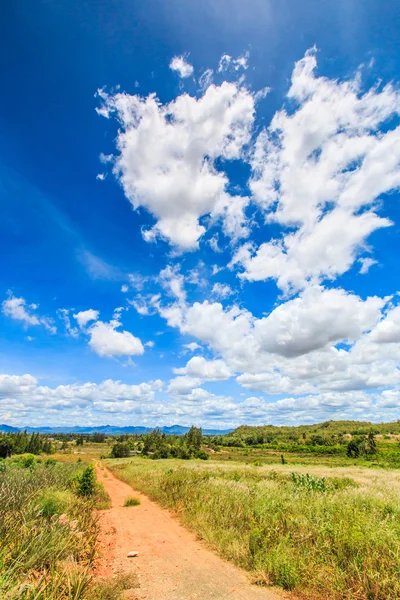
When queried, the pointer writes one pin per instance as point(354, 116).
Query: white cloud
point(315, 319)
point(388, 329)
point(207, 370)
point(206, 78)
point(227, 63)
point(167, 154)
point(182, 385)
point(183, 68)
point(25, 399)
point(193, 346)
point(19, 310)
point(105, 340)
point(64, 315)
point(85, 316)
point(366, 264)
point(124, 288)
point(222, 290)
point(319, 169)
point(173, 282)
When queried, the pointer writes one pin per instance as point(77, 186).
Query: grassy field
point(326, 532)
point(48, 532)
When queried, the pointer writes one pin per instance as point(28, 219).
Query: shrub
point(131, 501)
point(202, 454)
point(87, 482)
point(28, 461)
point(120, 450)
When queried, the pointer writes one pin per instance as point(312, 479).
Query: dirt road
point(172, 564)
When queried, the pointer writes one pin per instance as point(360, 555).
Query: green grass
point(131, 501)
point(322, 535)
point(47, 533)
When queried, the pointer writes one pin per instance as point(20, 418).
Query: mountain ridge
point(109, 429)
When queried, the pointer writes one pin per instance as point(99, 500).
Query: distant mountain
point(111, 430)
point(8, 428)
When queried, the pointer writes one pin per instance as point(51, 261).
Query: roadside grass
point(47, 532)
point(322, 536)
point(131, 501)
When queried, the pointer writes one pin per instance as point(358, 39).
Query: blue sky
point(199, 212)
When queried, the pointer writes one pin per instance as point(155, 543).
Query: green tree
point(353, 449)
point(194, 438)
point(6, 447)
point(370, 443)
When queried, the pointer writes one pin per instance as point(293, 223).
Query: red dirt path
point(172, 564)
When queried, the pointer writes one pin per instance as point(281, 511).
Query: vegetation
point(48, 531)
point(161, 445)
point(131, 501)
point(22, 442)
point(322, 536)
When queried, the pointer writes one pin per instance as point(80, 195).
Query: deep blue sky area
point(71, 241)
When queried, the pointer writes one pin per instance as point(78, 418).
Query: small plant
point(54, 503)
point(283, 460)
point(131, 501)
point(3, 466)
point(308, 483)
point(87, 482)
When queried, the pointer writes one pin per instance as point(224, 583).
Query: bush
point(87, 482)
point(28, 461)
point(202, 454)
point(120, 450)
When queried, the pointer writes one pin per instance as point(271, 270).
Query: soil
point(172, 563)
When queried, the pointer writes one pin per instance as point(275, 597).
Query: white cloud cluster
point(167, 154)
point(319, 168)
point(324, 340)
point(24, 401)
point(19, 310)
point(23, 398)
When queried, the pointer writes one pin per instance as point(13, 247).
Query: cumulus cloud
point(181, 66)
point(315, 319)
point(106, 340)
point(85, 316)
point(26, 399)
point(207, 370)
point(19, 310)
point(167, 153)
point(319, 168)
point(323, 340)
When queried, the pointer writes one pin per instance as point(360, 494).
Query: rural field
point(307, 515)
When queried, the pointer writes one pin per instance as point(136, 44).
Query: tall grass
point(47, 533)
point(323, 538)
